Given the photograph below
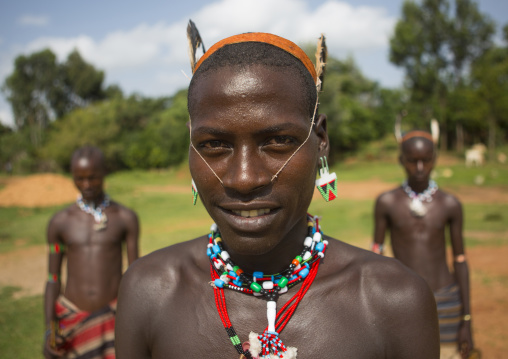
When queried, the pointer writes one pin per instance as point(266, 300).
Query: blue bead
point(257, 274)
point(219, 283)
point(320, 246)
point(304, 272)
point(233, 274)
point(237, 282)
point(208, 252)
point(293, 277)
point(216, 248)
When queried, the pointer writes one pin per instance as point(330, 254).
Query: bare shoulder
point(162, 272)
point(124, 212)
point(60, 218)
point(390, 286)
point(387, 199)
point(391, 302)
point(449, 200)
point(388, 196)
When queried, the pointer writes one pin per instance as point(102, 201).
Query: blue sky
point(141, 45)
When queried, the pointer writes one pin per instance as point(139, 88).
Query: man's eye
point(281, 140)
point(213, 144)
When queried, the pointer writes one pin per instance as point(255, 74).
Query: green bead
point(299, 259)
point(283, 282)
point(235, 268)
point(256, 287)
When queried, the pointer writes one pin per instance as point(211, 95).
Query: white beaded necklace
point(98, 213)
point(416, 207)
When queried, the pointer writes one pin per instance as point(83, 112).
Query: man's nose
point(419, 166)
point(247, 171)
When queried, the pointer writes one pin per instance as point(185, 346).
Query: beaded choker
point(225, 274)
point(98, 213)
point(417, 208)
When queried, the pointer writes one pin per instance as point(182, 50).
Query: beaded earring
point(327, 184)
point(194, 193)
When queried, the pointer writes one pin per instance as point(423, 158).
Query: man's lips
point(252, 213)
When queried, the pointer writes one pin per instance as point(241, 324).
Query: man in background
point(80, 317)
point(417, 215)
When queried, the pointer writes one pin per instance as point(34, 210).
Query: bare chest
point(324, 327)
point(82, 230)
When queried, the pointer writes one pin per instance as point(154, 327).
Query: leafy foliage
point(436, 42)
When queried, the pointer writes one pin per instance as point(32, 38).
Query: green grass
point(21, 325)
point(23, 226)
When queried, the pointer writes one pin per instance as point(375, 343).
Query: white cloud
point(149, 58)
point(34, 20)
point(6, 116)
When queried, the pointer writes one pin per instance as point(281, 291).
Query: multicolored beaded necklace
point(98, 213)
point(225, 274)
point(417, 208)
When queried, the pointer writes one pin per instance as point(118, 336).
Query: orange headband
point(412, 134)
point(266, 38)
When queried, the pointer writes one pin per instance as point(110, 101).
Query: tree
point(113, 125)
point(164, 141)
point(436, 47)
point(350, 101)
point(490, 82)
point(40, 90)
point(30, 89)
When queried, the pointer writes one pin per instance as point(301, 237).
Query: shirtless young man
point(417, 215)
point(90, 234)
point(256, 143)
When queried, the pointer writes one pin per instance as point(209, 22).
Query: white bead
point(225, 278)
point(297, 267)
point(321, 254)
point(213, 228)
point(209, 245)
point(271, 312)
point(224, 255)
point(283, 290)
point(325, 242)
point(306, 255)
point(217, 264)
point(268, 284)
point(307, 242)
point(229, 267)
point(257, 294)
point(317, 237)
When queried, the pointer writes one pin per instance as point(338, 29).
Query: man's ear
point(188, 124)
point(321, 132)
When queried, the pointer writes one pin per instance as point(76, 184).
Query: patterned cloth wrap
point(449, 309)
point(86, 335)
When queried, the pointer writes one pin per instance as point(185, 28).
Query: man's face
point(418, 158)
point(246, 124)
point(88, 176)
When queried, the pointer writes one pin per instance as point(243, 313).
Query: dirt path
point(51, 189)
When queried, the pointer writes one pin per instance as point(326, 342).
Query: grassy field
point(162, 200)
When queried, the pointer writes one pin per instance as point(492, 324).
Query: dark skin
point(94, 258)
point(246, 123)
point(420, 243)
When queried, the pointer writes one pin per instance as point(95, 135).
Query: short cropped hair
point(257, 53)
point(90, 152)
point(410, 141)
